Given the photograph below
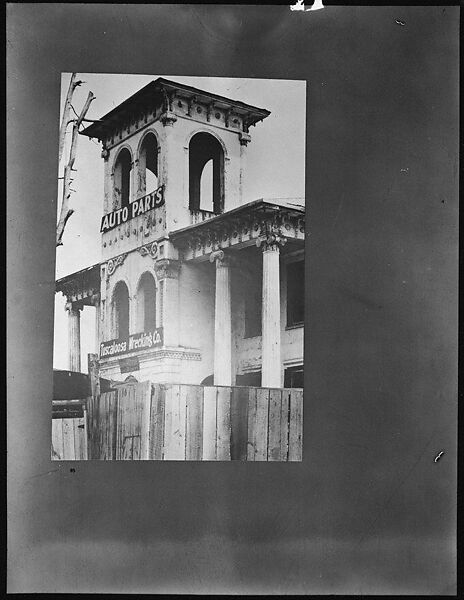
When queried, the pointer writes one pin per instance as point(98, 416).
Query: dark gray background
point(368, 510)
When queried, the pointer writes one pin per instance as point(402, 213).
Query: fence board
point(175, 424)
point(79, 439)
point(295, 445)
point(143, 394)
point(209, 423)
point(68, 439)
point(57, 439)
point(239, 423)
point(91, 428)
point(251, 424)
point(223, 423)
point(157, 423)
point(274, 433)
point(125, 423)
point(194, 422)
point(284, 424)
point(261, 424)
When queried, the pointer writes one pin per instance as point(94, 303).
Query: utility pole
point(65, 211)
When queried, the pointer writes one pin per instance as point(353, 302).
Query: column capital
point(272, 241)
point(222, 259)
point(95, 299)
point(72, 307)
point(167, 268)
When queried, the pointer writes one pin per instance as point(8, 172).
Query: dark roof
point(152, 94)
point(88, 277)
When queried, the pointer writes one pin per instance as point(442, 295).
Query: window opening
point(146, 303)
point(123, 178)
point(294, 377)
point(206, 174)
point(148, 166)
point(121, 311)
point(295, 293)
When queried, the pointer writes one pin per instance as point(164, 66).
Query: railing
point(145, 421)
point(198, 216)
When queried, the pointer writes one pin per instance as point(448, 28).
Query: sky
point(275, 168)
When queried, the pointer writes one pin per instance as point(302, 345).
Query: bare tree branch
point(73, 84)
point(65, 211)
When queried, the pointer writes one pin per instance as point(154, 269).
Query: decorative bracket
point(190, 102)
point(114, 263)
point(209, 108)
point(149, 250)
point(168, 118)
point(244, 138)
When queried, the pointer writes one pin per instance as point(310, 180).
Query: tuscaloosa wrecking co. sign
point(135, 342)
point(135, 209)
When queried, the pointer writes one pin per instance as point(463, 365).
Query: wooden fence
point(145, 421)
point(69, 439)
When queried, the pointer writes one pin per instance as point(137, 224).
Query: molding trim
point(158, 355)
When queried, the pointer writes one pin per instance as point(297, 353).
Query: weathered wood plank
point(261, 423)
point(133, 417)
point(77, 439)
point(223, 423)
point(239, 423)
point(57, 439)
point(86, 432)
point(251, 444)
point(113, 401)
point(284, 424)
point(168, 410)
point(194, 431)
point(91, 429)
point(143, 397)
point(68, 439)
point(295, 445)
point(157, 423)
point(209, 423)
point(174, 437)
point(274, 443)
point(124, 439)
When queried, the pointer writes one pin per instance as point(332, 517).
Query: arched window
point(148, 166)
point(206, 173)
point(120, 305)
point(122, 178)
point(146, 303)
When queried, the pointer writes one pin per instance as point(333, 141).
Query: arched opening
point(120, 304)
point(146, 303)
point(207, 187)
point(148, 166)
point(122, 178)
point(206, 173)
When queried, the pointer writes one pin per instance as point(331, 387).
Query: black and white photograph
point(194, 310)
point(232, 299)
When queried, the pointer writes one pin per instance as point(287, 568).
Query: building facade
point(196, 284)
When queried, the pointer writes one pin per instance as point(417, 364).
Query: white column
point(222, 321)
point(74, 337)
point(272, 365)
